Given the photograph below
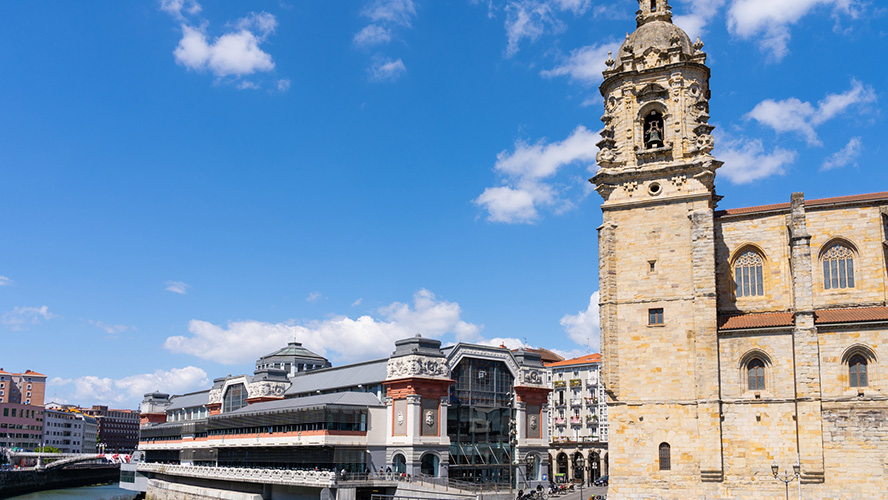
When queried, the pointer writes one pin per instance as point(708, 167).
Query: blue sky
point(191, 185)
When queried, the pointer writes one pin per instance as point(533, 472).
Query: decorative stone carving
point(705, 143)
point(400, 418)
point(417, 366)
point(533, 423)
point(678, 181)
point(630, 187)
point(430, 418)
point(265, 388)
point(531, 377)
point(215, 396)
point(605, 157)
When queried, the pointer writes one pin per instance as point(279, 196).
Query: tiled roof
point(808, 203)
point(821, 316)
point(582, 360)
point(546, 355)
point(852, 315)
point(33, 374)
point(189, 400)
point(754, 320)
point(320, 400)
point(366, 373)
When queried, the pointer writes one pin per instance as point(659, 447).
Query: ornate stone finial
point(698, 46)
point(610, 60)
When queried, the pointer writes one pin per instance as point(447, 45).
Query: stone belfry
point(657, 264)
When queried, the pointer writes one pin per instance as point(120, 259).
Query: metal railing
point(244, 474)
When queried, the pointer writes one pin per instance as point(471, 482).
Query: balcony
point(591, 401)
point(559, 421)
point(576, 402)
point(574, 420)
point(591, 419)
point(559, 384)
point(575, 382)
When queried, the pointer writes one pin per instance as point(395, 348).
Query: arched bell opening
point(654, 130)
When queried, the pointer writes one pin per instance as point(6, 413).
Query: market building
point(467, 412)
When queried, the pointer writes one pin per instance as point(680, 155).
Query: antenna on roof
point(525, 341)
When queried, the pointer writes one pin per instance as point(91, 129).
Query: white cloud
point(261, 23)
point(531, 19)
point(399, 12)
point(129, 390)
point(508, 342)
point(314, 297)
point(700, 13)
point(746, 160)
point(349, 339)
point(109, 329)
point(525, 172)
point(584, 328)
point(584, 64)
point(232, 54)
point(528, 19)
point(176, 7)
point(357, 302)
point(386, 70)
point(769, 20)
point(845, 156)
point(794, 115)
point(247, 85)
point(22, 316)
point(371, 35)
point(4, 281)
point(283, 85)
point(179, 287)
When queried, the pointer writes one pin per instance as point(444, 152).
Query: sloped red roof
point(851, 315)
point(754, 320)
point(808, 203)
point(546, 355)
point(33, 373)
point(582, 360)
point(821, 316)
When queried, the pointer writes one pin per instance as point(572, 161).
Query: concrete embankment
point(19, 482)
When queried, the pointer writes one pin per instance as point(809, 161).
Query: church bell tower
point(657, 263)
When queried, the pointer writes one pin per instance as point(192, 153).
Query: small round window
point(654, 188)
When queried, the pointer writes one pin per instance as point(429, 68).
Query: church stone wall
point(767, 235)
point(861, 226)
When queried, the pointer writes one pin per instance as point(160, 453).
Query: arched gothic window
point(755, 371)
point(748, 274)
point(857, 371)
point(838, 267)
point(653, 130)
point(665, 456)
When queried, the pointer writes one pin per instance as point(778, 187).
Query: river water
point(103, 492)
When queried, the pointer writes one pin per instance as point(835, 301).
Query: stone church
point(733, 340)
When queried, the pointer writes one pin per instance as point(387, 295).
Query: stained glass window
point(838, 267)
point(748, 275)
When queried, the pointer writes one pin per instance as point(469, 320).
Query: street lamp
point(594, 471)
point(786, 478)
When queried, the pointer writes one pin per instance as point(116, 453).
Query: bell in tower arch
point(653, 130)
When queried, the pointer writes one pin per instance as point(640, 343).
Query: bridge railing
point(245, 474)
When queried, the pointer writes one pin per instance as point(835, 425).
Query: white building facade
point(577, 420)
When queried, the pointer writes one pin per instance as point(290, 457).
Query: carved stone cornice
point(417, 366)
